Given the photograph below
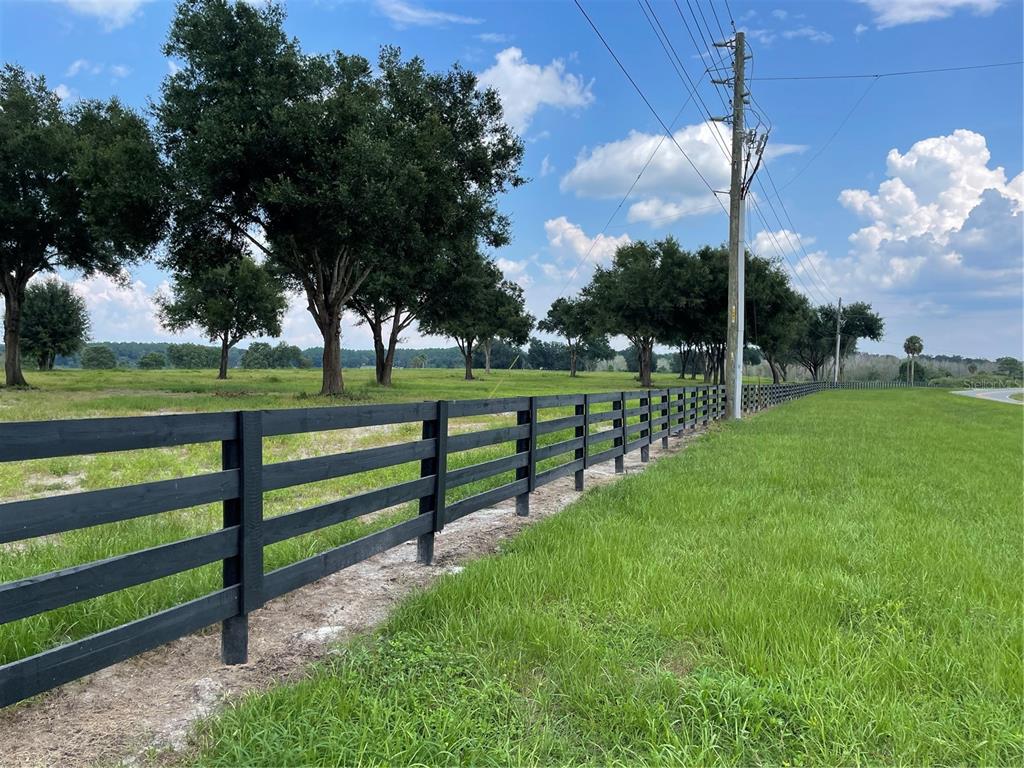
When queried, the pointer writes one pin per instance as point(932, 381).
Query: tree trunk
point(487, 355)
point(467, 354)
point(389, 357)
point(644, 351)
point(572, 361)
point(12, 336)
point(224, 348)
point(331, 330)
point(774, 369)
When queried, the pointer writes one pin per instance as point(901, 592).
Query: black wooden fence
point(622, 422)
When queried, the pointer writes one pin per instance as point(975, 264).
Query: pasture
point(72, 394)
point(834, 581)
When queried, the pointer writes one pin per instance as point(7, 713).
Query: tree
point(456, 155)
point(635, 297)
point(80, 188)
point(229, 302)
point(310, 152)
point(98, 356)
point(478, 305)
point(1010, 366)
point(913, 346)
point(775, 313)
point(816, 344)
point(572, 319)
point(192, 356)
point(258, 355)
point(54, 322)
point(508, 322)
point(972, 369)
point(152, 361)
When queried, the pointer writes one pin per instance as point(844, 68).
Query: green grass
point(1017, 396)
point(836, 581)
point(72, 394)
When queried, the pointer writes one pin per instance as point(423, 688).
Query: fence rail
point(605, 427)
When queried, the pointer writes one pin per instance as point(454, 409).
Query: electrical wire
point(877, 75)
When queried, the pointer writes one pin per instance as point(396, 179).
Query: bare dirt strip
point(150, 703)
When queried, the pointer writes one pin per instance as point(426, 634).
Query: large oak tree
point(80, 188)
point(335, 170)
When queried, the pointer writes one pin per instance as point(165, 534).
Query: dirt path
point(152, 701)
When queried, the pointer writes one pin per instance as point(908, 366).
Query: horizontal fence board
point(293, 421)
point(483, 470)
point(311, 519)
point(636, 444)
point(288, 473)
point(636, 411)
point(56, 514)
point(605, 397)
point(557, 425)
point(35, 674)
point(555, 449)
point(632, 429)
point(27, 597)
point(291, 577)
point(599, 416)
point(486, 437)
point(608, 434)
point(487, 406)
point(611, 453)
point(486, 499)
point(557, 401)
point(69, 437)
point(636, 394)
point(562, 470)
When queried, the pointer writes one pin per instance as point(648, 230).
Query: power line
point(835, 133)
point(901, 73)
point(643, 96)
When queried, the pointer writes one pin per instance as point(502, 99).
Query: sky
point(902, 191)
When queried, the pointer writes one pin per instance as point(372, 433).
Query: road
point(999, 395)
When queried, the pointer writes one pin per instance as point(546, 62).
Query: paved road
point(999, 395)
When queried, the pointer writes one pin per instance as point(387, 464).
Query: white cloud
point(546, 167)
point(779, 14)
point(113, 13)
point(808, 33)
point(84, 66)
point(524, 88)
point(860, 29)
point(64, 93)
point(515, 271)
point(119, 310)
point(892, 13)
point(669, 188)
point(568, 241)
point(405, 14)
point(173, 67)
point(499, 38)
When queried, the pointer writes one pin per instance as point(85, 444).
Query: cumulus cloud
point(889, 13)
point(546, 167)
point(669, 189)
point(405, 14)
point(86, 67)
point(119, 310)
point(114, 14)
point(944, 227)
point(64, 93)
point(524, 87)
point(569, 240)
point(499, 38)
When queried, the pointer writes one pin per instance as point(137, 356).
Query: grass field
point(836, 581)
point(73, 394)
point(1017, 396)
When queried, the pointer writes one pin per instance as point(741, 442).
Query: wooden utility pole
point(734, 331)
point(839, 325)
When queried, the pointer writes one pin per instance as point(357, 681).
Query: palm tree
point(913, 346)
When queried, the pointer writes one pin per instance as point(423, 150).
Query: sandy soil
point(151, 702)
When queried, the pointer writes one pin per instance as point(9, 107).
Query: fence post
point(666, 414)
point(620, 424)
point(435, 429)
point(245, 570)
point(583, 409)
point(645, 449)
point(528, 446)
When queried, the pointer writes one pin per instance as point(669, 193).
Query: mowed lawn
point(836, 581)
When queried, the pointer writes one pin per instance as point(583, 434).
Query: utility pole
point(734, 331)
point(839, 325)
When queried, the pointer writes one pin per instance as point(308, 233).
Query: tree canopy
point(81, 188)
point(55, 322)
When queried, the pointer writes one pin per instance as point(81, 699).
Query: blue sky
point(914, 206)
